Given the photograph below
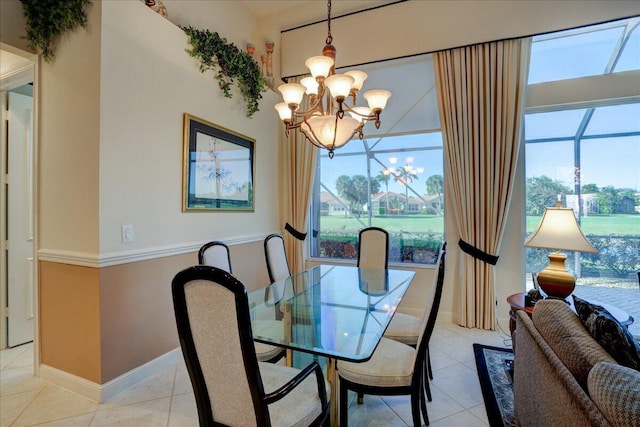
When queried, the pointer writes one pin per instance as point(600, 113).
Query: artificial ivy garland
point(47, 20)
point(233, 65)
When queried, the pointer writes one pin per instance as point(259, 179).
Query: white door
point(20, 268)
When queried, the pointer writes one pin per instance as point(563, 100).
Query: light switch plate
point(127, 233)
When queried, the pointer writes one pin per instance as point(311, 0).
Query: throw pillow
point(615, 390)
point(609, 333)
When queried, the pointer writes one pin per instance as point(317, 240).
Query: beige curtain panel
point(481, 99)
point(298, 160)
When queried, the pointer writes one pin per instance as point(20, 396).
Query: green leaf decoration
point(230, 65)
point(47, 20)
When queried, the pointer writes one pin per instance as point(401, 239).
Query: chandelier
point(325, 124)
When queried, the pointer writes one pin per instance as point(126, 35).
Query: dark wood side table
point(517, 302)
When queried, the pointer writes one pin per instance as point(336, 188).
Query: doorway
point(17, 258)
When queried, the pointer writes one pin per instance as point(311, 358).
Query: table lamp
point(558, 230)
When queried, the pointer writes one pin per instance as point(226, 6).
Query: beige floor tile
point(184, 412)
point(440, 360)
point(155, 387)
point(54, 403)
point(461, 384)
point(18, 380)
point(442, 405)
point(481, 412)
point(373, 412)
point(153, 413)
point(461, 419)
point(12, 405)
point(183, 382)
point(11, 355)
point(77, 421)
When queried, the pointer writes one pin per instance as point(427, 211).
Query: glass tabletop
point(328, 310)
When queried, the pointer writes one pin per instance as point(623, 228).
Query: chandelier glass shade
point(324, 123)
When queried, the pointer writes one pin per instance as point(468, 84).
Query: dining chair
point(276, 257)
point(373, 248)
point(406, 329)
point(396, 368)
point(231, 386)
point(216, 254)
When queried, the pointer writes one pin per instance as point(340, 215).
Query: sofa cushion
point(609, 333)
point(567, 337)
point(615, 390)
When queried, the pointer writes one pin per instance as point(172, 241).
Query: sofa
point(564, 377)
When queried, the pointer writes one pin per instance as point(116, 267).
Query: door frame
point(13, 79)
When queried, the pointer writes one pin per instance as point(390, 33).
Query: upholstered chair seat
point(301, 406)
point(390, 366)
point(271, 328)
point(404, 328)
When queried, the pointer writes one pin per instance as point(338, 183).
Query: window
point(392, 179)
point(589, 157)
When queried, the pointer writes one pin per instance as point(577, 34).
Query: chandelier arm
point(350, 109)
point(316, 107)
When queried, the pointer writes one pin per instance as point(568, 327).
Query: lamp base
point(555, 280)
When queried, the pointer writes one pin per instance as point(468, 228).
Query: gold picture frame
point(218, 168)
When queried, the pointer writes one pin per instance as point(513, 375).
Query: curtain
point(298, 160)
point(481, 100)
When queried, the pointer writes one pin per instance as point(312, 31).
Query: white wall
point(147, 82)
point(70, 141)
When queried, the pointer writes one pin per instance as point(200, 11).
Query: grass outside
point(410, 223)
point(601, 225)
point(593, 224)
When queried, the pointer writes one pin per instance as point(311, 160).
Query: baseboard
point(102, 392)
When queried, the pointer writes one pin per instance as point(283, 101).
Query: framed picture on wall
point(218, 168)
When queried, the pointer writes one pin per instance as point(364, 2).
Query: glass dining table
point(338, 312)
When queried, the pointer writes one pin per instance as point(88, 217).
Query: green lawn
point(594, 224)
point(601, 224)
point(417, 223)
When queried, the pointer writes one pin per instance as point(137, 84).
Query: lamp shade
point(292, 93)
point(319, 66)
point(339, 85)
point(283, 111)
point(358, 78)
point(311, 84)
point(559, 230)
point(377, 98)
point(325, 131)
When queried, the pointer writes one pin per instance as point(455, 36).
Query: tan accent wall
point(100, 323)
point(137, 320)
point(70, 319)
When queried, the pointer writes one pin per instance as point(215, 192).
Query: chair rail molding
point(88, 259)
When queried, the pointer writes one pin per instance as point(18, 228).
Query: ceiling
point(289, 13)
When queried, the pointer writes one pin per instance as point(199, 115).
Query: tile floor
point(166, 399)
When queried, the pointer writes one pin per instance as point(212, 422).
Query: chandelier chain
point(329, 39)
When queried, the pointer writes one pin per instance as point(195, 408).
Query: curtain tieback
point(295, 233)
point(477, 253)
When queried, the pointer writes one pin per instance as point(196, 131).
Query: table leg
point(334, 404)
